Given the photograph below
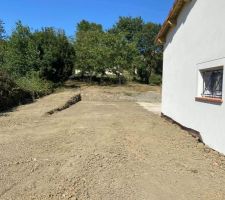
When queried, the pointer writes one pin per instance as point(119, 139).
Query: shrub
point(34, 84)
point(155, 79)
point(10, 93)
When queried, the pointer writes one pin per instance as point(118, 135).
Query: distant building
point(194, 57)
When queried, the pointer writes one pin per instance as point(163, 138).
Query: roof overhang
point(171, 20)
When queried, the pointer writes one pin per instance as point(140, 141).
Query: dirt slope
point(105, 147)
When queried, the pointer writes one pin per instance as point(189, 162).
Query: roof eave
point(171, 20)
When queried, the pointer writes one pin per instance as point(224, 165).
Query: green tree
point(2, 30)
point(21, 53)
point(3, 43)
point(88, 26)
point(132, 29)
point(129, 26)
point(48, 52)
point(121, 54)
point(151, 52)
point(149, 59)
point(55, 54)
point(90, 49)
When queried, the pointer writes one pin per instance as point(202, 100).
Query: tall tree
point(152, 53)
point(88, 26)
point(2, 30)
point(149, 59)
point(48, 52)
point(55, 54)
point(129, 26)
point(89, 47)
point(120, 54)
point(2, 43)
point(21, 53)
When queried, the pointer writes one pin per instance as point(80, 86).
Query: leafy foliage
point(85, 26)
point(10, 93)
point(48, 54)
point(130, 27)
point(149, 58)
point(2, 30)
point(2, 43)
point(120, 54)
point(55, 54)
point(34, 84)
point(32, 60)
point(47, 51)
point(152, 53)
point(36, 60)
point(20, 54)
point(90, 49)
point(115, 51)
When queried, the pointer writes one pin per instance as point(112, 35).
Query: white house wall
point(197, 42)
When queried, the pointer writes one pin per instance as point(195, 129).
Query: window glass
point(212, 83)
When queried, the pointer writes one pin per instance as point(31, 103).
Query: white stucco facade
point(196, 42)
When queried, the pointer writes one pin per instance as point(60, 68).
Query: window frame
point(201, 84)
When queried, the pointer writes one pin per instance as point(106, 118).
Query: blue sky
point(67, 13)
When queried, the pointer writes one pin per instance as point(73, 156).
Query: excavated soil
point(104, 147)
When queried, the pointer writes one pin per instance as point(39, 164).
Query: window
point(212, 83)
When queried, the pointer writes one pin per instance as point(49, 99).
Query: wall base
point(194, 133)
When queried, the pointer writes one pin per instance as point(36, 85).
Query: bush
point(34, 84)
point(155, 79)
point(11, 94)
point(21, 90)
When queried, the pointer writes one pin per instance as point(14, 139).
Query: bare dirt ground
point(105, 147)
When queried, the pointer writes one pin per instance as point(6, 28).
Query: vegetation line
point(75, 99)
point(37, 61)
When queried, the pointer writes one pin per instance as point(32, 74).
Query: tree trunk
point(101, 79)
point(149, 76)
point(119, 79)
point(90, 78)
point(82, 76)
